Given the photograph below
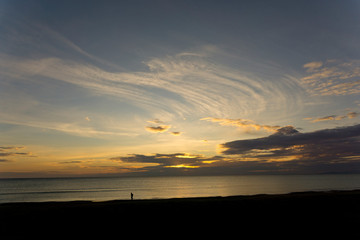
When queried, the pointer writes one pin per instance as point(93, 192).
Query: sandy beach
point(322, 213)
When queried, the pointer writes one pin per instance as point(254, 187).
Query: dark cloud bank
point(344, 140)
point(285, 152)
point(330, 150)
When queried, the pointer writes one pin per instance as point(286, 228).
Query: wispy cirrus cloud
point(187, 83)
point(196, 85)
point(333, 77)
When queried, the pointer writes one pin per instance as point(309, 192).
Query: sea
point(120, 188)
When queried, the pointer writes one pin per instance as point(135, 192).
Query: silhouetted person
point(132, 196)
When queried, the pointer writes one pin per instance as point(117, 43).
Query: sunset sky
point(162, 87)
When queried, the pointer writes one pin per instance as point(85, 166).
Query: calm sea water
point(102, 189)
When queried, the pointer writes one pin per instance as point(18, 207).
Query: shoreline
point(303, 210)
point(292, 196)
point(238, 197)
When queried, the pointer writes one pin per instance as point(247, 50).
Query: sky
point(167, 87)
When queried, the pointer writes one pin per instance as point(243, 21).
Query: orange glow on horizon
point(182, 166)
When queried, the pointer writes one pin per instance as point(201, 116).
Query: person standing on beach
point(132, 196)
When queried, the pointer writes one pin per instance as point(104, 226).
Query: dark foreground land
point(290, 216)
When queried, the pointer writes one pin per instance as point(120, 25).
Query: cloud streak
point(11, 152)
point(158, 129)
point(161, 127)
point(176, 133)
point(349, 115)
point(244, 124)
